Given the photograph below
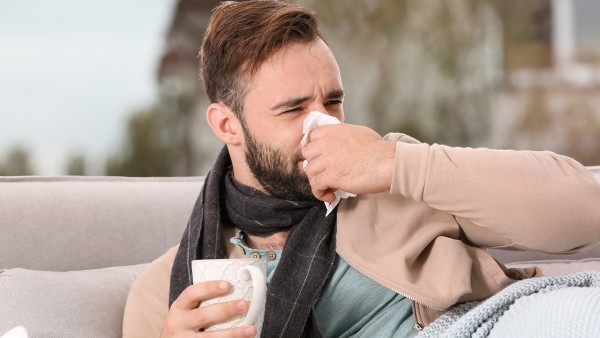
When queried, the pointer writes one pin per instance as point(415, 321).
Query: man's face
point(299, 79)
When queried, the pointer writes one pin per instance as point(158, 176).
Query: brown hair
point(241, 35)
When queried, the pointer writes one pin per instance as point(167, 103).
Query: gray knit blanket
point(559, 306)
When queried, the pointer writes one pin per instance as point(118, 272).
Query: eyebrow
point(295, 101)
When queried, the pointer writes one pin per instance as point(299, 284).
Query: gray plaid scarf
point(306, 260)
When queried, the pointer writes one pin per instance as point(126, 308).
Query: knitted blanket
point(543, 307)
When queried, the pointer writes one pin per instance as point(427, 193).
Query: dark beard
point(269, 167)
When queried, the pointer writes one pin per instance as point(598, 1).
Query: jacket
point(425, 239)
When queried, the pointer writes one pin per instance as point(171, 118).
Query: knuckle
point(190, 291)
point(313, 181)
point(318, 182)
point(199, 316)
point(171, 325)
point(193, 292)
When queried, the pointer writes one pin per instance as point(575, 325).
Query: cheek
point(284, 135)
point(290, 133)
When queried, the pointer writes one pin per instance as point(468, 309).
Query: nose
point(318, 107)
point(335, 110)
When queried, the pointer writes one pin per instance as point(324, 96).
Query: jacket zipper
point(418, 326)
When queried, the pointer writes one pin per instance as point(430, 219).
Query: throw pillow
point(87, 303)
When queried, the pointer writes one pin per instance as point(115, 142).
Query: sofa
point(71, 246)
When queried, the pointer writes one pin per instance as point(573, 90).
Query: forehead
point(299, 68)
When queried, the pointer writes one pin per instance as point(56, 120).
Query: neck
point(275, 241)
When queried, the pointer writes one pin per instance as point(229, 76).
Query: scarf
point(306, 260)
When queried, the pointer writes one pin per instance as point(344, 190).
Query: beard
point(270, 168)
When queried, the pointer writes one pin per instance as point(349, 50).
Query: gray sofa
point(71, 246)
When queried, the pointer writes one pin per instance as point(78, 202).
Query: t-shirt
point(351, 304)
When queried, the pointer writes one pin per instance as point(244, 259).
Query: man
point(385, 263)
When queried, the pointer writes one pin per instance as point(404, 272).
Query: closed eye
point(333, 102)
point(293, 110)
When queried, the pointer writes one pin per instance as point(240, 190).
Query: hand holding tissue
point(343, 158)
point(313, 120)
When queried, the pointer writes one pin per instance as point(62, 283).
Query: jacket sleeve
point(534, 200)
point(148, 300)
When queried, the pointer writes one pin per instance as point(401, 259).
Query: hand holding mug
point(185, 318)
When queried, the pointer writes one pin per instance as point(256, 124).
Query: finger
point(325, 195)
point(320, 132)
point(191, 297)
point(314, 167)
point(209, 315)
point(243, 331)
point(316, 171)
point(320, 190)
point(314, 149)
point(310, 151)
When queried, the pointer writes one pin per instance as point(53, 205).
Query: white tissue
point(313, 120)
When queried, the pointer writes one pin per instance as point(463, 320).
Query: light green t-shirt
point(351, 304)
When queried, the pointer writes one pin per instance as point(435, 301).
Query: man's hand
point(348, 157)
point(186, 319)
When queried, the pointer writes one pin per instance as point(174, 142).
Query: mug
point(248, 279)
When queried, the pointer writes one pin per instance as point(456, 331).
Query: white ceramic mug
point(248, 279)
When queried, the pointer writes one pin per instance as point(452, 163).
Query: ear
point(224, 123)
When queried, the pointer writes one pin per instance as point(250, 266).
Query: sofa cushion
point(87, 303)
point(561, 267)
point(508, 256)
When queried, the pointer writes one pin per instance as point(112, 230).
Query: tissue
point(313, 120)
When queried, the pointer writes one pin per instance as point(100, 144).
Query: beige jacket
point(421, 239)
point(424, 238)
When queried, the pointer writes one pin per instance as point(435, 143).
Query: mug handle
point(259, 292)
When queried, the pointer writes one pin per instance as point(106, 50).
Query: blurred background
point(111, 87)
